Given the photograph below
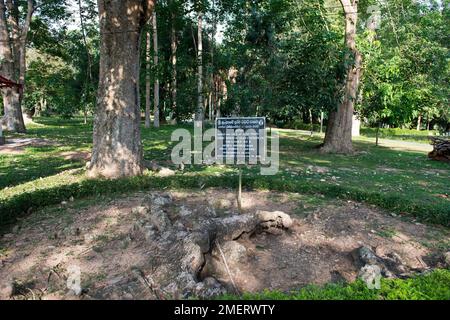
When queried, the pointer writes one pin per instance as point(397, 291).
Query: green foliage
point(431, 286)
point(288, 56)
point(288, 61)
point(60, 80)
point(406, 70)
point(51, 86)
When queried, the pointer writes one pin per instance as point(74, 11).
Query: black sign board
point(240, 140)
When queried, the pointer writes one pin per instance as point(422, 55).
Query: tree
point(13, 38)
point(173, 59)
point(338, 137)
point(157, 110)
point(117, 150)
point(89, 79)
point(199, 114)
point(147, 79)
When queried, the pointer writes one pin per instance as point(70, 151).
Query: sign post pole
point(240, 190)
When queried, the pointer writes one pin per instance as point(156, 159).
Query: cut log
point(441, 149)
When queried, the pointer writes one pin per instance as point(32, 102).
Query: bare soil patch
point(76, 155)
point(179, 244)
point(16, 146)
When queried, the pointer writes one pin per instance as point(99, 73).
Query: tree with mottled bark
point(156, 105)
point(13, 39)
point(88, 56)
point(173, 61)
point(199, 114)
point(147, 79)
point(117, 150)
point(338, 137)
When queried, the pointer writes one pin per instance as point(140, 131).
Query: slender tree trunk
point(83, 31)
point(21, 49)
point(218, 106)
point(378, 133)
point(89, 60)
point(211, 67)
point(199, 115)
point(210, 104)
point(117, 150)
point(338, 137)
point(2, 138)
point(173, 59)
point(147, 80)
point(419, 122)
point(155, 62)
point(321, 122)
point(356, 126)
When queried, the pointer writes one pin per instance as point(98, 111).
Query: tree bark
point(89, 60)
point(419, 122)
point(147, 80)
point(338, 136)
point(377, 139)
point(321, 121)
point(155, 62)
point(199, 114)
point(2, 138)
point(356, 126)
point(117, 150)
point(173, 58)
point(13, 38)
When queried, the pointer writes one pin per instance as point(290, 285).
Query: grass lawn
point(402, 181)
point(432, 286)
point(405, 182)
point(400, 134)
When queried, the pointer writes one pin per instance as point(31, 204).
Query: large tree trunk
point(173, 58)
point(13, 65)
point(13, 111)
point(338, 137)
point(199, 114)
point(155, 61)
point(147, 80)
point(117, 150)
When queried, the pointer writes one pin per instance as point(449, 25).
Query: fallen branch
point(227, 268)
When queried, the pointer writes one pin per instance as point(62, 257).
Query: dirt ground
point(16, 146)
point(99, 239)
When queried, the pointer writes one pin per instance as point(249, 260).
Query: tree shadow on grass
point(24, 168)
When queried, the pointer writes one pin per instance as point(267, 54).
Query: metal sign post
point(240, 190)
point(240, 141)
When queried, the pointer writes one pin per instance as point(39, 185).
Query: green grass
point(432, 286)
point(401, 181)
point(412, 135)
point(400, 134)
